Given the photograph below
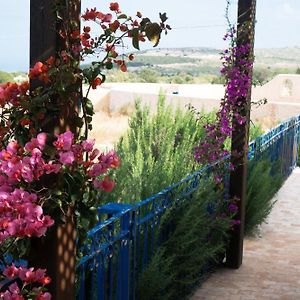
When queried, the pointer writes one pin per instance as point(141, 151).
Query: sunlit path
point(271, 265)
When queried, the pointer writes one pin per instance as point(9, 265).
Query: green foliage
point(148, 60)
point(263, 183)
point(262, 75)
point(5, 77)
point(156, 278)
point(255, 131)
point(197, 242)
point(218, 80)
point(173, 65)
point(156, 151)
point(148, 75)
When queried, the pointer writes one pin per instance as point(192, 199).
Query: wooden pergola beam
point(57, 251)
point(240, 139)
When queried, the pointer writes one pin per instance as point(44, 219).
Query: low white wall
point(282, 93)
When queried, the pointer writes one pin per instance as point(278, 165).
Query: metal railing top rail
point(132, 207)
point(272, 134)
point(206, 168)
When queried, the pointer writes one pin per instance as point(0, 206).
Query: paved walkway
point(271, 265)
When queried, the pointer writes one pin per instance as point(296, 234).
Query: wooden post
point(57, 251)
point(240, 139)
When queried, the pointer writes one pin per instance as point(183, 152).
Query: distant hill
point(189, 58)
point(196, 65)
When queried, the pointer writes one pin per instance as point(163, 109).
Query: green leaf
point(49, 150)
point(153, 31)
point(78, 122)
point(163, 17)
point(58, 192)
point(144, 22)
point(89, 107)
point(135, 38)
point(109, 65)
point(122, 16)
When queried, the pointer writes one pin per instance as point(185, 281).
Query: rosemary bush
point(156, 151)
point(196, 244)
point(264, 180)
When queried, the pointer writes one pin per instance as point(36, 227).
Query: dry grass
point(107, 129)
point(267, 122)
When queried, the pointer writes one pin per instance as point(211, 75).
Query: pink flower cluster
point(27, 277)
point(18, 164)
point(21, 214)
point(97, 164)
point(10, 93)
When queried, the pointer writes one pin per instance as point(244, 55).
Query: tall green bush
point(156, 151)
point(197, 243)
point(5, 77)
point(264, 180)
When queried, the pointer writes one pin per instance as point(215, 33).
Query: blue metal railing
point(279, 144)
point(121, 245)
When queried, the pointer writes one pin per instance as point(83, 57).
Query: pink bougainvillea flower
point(96, 82)
point(88, 145)
point(66, 158)
point(94, 154)
point(52, 167)
point(114, 6)
point(44, 296)
point(106, 18)
point(110, 160)
point(25, 277)
point(90, 14)
point(14, 289)
point(64, 141)
point(11, 271)
point(36, 70)
point(107, 185)
point(20, 216)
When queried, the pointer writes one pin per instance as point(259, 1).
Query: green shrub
point(156, 151)
point(263, 183)
point(196, 244)
point(5, 77)
point(255, 131)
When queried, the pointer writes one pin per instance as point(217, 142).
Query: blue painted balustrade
point(118, 249)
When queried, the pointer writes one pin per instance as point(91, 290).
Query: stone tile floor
point(271, 264)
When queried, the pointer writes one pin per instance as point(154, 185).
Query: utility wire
point(198, 26)
point(173, 28)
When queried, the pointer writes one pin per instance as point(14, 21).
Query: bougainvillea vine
point(44, 173)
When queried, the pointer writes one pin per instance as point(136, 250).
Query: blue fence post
point(124, 272)
point(125, 259)
point(296, 141)
point(133, 255)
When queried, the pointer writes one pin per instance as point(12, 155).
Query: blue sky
point(198, 23)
